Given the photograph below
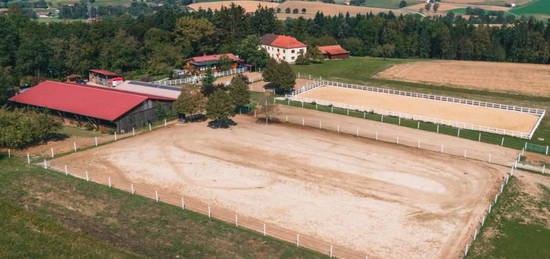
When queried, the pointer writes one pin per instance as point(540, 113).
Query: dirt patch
point(445, 111)
point(530, 79)
point(382, 199)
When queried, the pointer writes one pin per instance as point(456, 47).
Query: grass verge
point(45, 214)
point(516, 227)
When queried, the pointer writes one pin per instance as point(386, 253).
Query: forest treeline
point(153, 44)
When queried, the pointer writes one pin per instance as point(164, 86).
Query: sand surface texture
point(461, 113)
point(385, 200)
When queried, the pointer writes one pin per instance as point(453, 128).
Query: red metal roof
point(96, 102)
point(282, 41)
point(104, 72)
point(215, 57)
point(332, 50)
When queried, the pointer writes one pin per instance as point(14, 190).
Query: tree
point(428, 6)
point(219, 108)
point(197, 33)
point(402, 4)
point(249, 49)
point(287, 10)
point(122, 54)
point(19, 128)
point(295, 10)
point(302, 60)
point(266, 106)
point(285, 78)
point(303, 10)
point(225, 63)
point(436, 7)
point(189, 102)
point(314, 54)
point(208, 84)
point(269, 74)
point(239, 92)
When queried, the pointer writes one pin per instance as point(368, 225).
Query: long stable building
point(98, 107)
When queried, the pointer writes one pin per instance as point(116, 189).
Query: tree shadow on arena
point(221, 124)
point(269, 121)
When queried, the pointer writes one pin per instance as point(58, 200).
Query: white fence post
point(132, 188)
point(51, 149)
point(74, 146)
point(66, 170)
point(115, 136)
point(236, 219)
point(87, 176)
point(209, 211)
point(502, 142)
point(150, 127)
point(330, 252)
point(95, 138)
point(182, 203)
point(45, 164)
point(264, 230)
point(165, 124)
point(9, 153)
point(298, 240)
point(28, 158)
point(109, 182)
point(157, 196)
point(133, 132)
point(437, 128)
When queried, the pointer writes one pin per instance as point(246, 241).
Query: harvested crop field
point(529, 79)
point(345, 190)
point(249, 6)
point(443, 7)
point(447, 111)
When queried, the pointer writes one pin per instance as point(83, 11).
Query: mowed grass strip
point(360, 70)
point(516, 227)
point(45, 214)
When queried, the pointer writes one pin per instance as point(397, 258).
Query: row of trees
point(153, 44)
point(219, 103)
point(21, 128)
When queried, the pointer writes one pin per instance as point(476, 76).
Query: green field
point(359, 70)
point(46, 215)
point(517, 226)
point(535, 7)
point(458, 11)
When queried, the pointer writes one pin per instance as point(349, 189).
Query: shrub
point(21, 128)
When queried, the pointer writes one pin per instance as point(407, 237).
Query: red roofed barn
point(95, 106)
point(281, 47)
point(333, 52)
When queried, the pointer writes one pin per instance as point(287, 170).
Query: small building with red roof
point(282, 47)
point(103, 77)
point(215, 63)
point(96, 107)
point(333, 52)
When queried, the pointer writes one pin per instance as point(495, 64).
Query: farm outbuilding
point(333, 52)
point(102, 77)
point(95, 107)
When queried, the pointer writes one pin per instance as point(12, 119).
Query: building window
point(292, 51)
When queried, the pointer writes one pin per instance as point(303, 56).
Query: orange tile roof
point(332, 50)
point(282, 41)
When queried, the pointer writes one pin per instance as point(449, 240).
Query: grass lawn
point(359, 70)
point(535, 7)
point(458, 11)
point(516, 228)
point(45, 214)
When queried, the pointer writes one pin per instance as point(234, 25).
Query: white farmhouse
point(281, 47)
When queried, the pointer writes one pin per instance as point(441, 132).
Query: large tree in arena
point(219, 109)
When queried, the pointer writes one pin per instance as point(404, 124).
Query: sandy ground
point(385, 200)
point(260, 86)
point(252, 76)
point(528, 79)
point(407, 136)
point(471, 115)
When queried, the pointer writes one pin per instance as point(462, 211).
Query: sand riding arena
point(460, 113)
point(379, 199)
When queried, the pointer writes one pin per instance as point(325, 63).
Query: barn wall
point(141, 116)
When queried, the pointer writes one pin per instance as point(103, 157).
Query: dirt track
point(386, 200)
point(530, 79)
